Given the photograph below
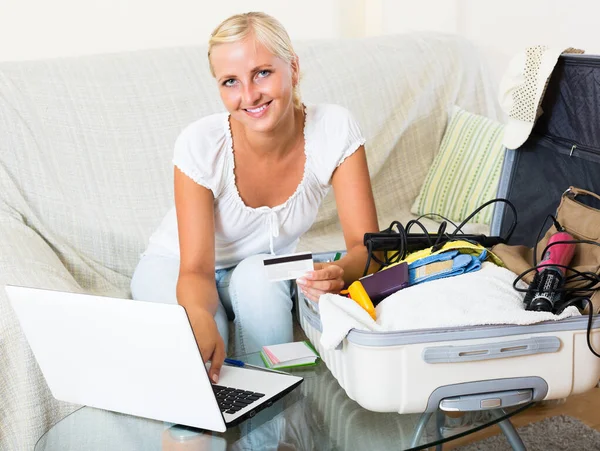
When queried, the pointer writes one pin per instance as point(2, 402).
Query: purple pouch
point(381, 284)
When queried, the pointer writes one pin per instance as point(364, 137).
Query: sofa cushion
point(466, 171)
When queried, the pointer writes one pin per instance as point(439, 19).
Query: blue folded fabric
point(445, 264)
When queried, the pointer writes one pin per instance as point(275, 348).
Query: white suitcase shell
point(413, 371)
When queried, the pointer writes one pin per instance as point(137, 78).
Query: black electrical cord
point(393, 241)
point(399, 239)
point(590, 306)
point(591, 277)
point(573, 295)
point(576, 276)
point(436, 215)
point(489, 202)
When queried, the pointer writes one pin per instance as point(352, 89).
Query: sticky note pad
point(286, 355)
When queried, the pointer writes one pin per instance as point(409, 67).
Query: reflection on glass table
point(318, 415)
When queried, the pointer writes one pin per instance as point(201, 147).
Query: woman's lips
point(258, 111)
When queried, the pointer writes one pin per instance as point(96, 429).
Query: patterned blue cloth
point(461, 264)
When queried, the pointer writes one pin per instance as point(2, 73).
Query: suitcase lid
point(571, 104)
point(563, 150)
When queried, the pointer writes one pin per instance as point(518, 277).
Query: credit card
point(291, 266)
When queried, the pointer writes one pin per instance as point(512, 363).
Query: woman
point(248, 183)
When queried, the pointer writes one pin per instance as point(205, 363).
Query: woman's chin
point(263, 124)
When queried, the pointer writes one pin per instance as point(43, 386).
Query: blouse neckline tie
point(273, 222)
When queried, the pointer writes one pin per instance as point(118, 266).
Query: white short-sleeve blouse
point(204, 152)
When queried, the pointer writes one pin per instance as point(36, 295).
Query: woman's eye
point(229, 82)
point(263, 73)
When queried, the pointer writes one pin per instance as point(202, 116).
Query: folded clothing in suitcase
point(482, 297)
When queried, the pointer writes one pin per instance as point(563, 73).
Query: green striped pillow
point(466, 171)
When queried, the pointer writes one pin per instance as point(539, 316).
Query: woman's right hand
point(209, 340)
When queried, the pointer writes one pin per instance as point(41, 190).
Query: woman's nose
point(250, 95)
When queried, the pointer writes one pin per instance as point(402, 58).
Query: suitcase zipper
point(562, 143)
point(578, 59)
point(572, 146)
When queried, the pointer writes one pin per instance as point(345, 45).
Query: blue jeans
point(261, 310)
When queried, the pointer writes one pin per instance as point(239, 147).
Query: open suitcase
point(474, 368)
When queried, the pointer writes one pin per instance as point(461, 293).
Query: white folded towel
point(478, 298)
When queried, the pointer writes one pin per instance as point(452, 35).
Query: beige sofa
point(86, 174)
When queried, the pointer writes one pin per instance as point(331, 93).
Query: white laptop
point(138, 358)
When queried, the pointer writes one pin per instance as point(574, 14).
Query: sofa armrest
point(27, 259)
point(27, 408)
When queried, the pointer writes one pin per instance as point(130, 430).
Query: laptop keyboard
point(231, 400)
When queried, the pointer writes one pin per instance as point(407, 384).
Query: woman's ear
point(295, 70)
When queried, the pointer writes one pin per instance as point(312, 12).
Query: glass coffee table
point(318, 415)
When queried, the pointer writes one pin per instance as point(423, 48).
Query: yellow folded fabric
point(464, 247)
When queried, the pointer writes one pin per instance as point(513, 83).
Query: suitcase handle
point(490, 389)
point(489, 351)
point(486, 401)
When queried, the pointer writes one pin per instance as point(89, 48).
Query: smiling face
point(255, 85)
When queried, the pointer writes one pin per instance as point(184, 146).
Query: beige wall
point(499, 27)
point(31, 29)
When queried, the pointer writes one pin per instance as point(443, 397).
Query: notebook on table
point(138, 358)
point(289, 355)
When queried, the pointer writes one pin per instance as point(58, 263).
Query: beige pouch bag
point(583, 223)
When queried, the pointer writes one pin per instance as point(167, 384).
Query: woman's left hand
point(326, 278)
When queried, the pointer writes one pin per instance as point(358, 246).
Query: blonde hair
point(266, 29)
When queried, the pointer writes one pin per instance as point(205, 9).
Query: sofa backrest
point(86, 143)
